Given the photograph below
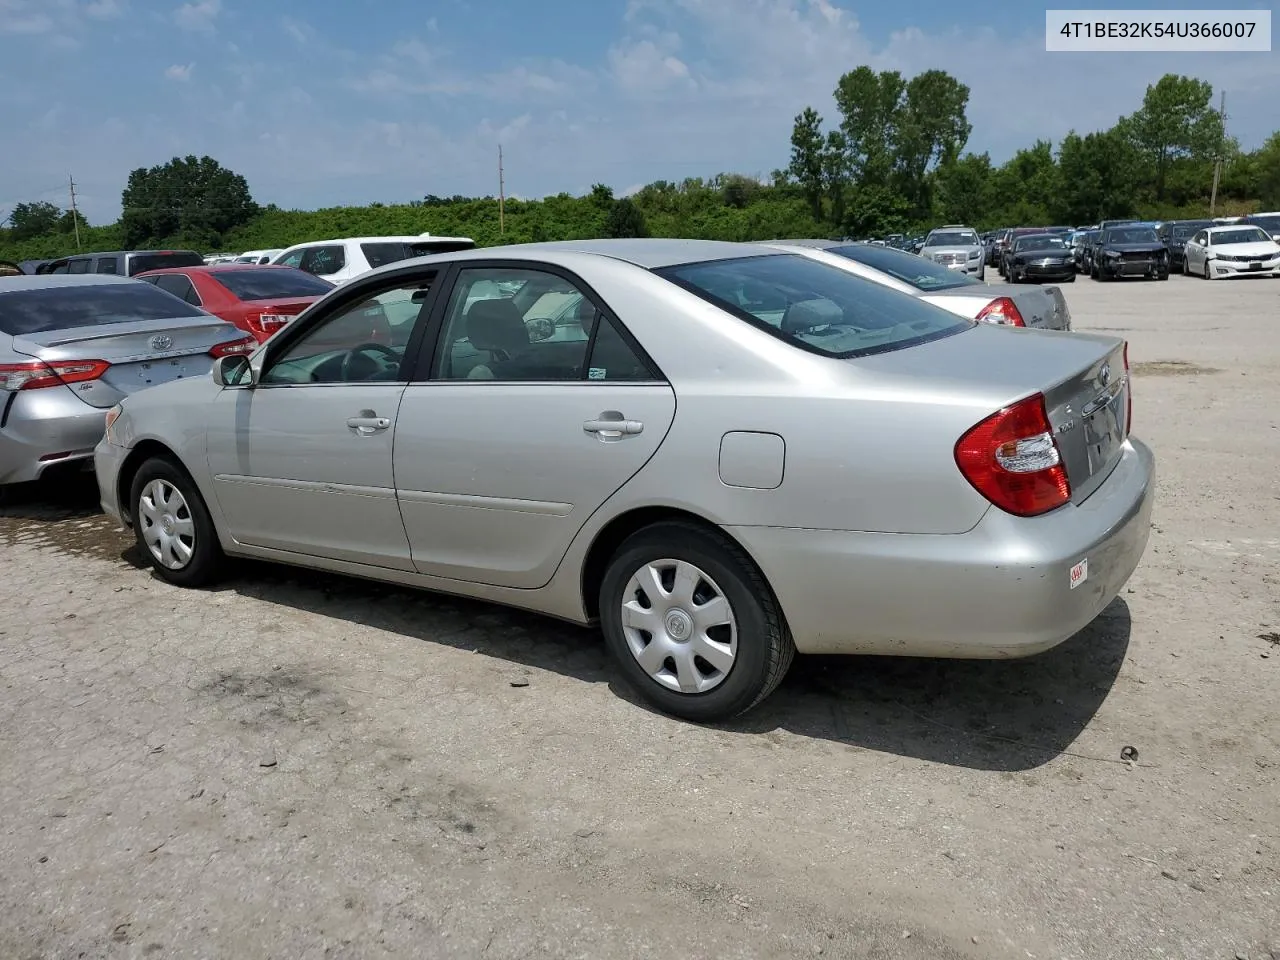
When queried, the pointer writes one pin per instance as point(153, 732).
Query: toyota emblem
point(1105, 374)
point(163, 342)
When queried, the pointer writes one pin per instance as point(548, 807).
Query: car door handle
point(368, 425)
point(613, 429)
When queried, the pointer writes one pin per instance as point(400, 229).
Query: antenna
point(502, 197)
point(1217, 164)
point(75, 217)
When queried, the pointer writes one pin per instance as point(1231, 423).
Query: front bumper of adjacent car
point(1001, 590)
point(1222, 268)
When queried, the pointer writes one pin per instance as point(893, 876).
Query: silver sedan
point(721, 453)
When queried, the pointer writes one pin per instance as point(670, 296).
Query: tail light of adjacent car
point(263, 325)
point(1013, 460)
point(232, 347)
point(53, 373)
point(1001, 310)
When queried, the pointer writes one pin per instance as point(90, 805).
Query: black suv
point(123, 263)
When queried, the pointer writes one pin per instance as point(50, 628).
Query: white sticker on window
point(596, 373)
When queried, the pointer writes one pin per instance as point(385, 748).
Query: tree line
point(893, 159)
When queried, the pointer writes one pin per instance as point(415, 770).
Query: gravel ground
point(302, 766)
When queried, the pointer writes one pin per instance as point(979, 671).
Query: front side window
point(815, 306)
point(520, 324)
point(293, 259)
point(917, 271)
point(356, 344)
point(323, 261)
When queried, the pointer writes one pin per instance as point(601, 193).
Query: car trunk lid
point(1082, 377)
point(139, 353)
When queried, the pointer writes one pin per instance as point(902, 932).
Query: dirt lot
point(304, 766)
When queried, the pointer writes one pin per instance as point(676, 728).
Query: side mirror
point(234, 371)
point(541, 329)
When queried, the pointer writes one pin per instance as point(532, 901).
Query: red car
point(257, 299)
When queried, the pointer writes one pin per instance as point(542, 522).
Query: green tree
point(625, 220)
point(36, 219)
point(962, 188)
point(1098, 175)
point(191, 200)
point(1266, 164)
point(1176, 122)
point(807, 148)
point(870, 107)
point(930, 128)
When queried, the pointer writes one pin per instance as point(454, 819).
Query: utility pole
point(1217, 164)
point(75, 217)
point(502, 197)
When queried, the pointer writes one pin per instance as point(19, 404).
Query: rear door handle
point(368, 425)
point(613, 429)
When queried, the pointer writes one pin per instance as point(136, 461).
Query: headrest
point(496, 324)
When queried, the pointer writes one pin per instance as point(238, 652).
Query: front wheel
point(692, 623)
point(173, 527)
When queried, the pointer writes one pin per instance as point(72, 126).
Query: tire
point(716, 568)
point(1186, 270)
point(1162, 275)
point(204, 560)
point(1071, 279)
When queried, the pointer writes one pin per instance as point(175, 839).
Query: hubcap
point(164, 520)
point(679, 626)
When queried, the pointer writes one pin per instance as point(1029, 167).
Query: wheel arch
point(614, 533)
point(141, 452)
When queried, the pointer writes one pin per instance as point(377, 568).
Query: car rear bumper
point(43, 429)
point(1001, 590)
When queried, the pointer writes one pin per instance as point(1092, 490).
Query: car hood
point(1257, 248)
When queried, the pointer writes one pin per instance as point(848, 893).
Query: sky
point(335, 102)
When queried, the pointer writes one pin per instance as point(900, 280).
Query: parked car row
point(538, 425)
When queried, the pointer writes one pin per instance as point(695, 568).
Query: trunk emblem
point(1104, 374)
point(163, 342)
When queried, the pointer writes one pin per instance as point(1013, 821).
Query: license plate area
point(1255, 266)
point(1104, 425)
point(160, 371)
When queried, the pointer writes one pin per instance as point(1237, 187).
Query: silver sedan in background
point(72, 346)
point(1044, 307)
point(731, 455)
point(957, 248)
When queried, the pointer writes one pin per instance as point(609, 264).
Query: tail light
point(1013, 460)
point(1001, 310)
point(1128, 392)
point(232, 347)
point(264, 325)
point(37, 374)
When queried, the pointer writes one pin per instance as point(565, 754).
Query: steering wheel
point(359, 351)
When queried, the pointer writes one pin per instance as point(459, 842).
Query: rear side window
point(141, 262)
point(815, 306)
point(90, 305)
point(271, 284)
point(78, 266)
point(106, 265)
point(324, 260)
point(380, 254)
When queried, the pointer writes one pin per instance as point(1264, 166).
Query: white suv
point(341, 260)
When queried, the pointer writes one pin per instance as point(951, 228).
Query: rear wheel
point(692, 623)
point(173, 527)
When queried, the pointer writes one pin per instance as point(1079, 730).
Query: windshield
point(87, 305)
point(815, 306)
point(1043, 242)
point(918, 272)
point(952, 238)
point(273, 284)
point(1183, 230)
point(1239, 235)
point(1132, 235)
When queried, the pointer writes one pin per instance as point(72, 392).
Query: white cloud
point(179, 72)
point(198, 16)
point(104, 9)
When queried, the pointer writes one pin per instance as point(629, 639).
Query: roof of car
point(1223, 227)
point(117, 253)
point(45, 281)
point(215, 268)
point(420, 238)
point(650, 253)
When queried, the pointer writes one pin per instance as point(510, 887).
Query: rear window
point(140, 262)
point(88, 305)
point(273, 284)
point(815, 306)
point(380, 254)
point(920, 273)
